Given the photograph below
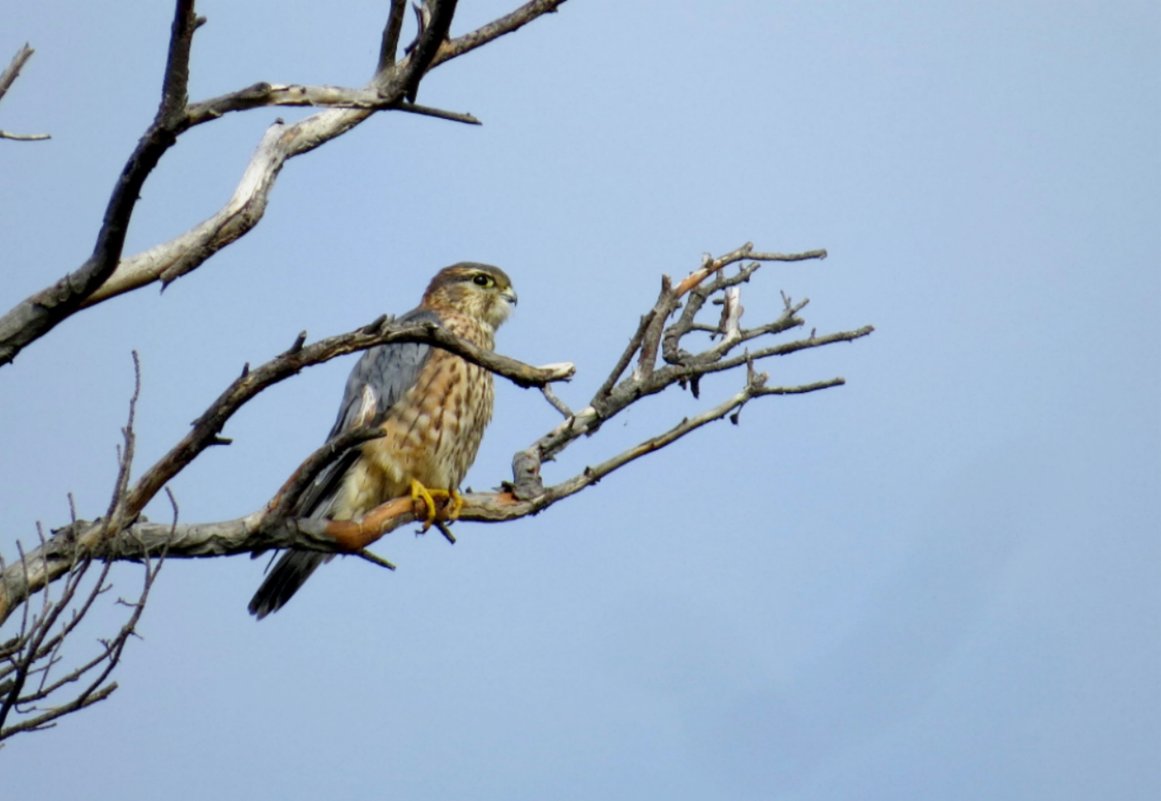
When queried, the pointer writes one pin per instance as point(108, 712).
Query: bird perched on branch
point(431, 406)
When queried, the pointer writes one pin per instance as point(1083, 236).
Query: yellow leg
point(420, 492)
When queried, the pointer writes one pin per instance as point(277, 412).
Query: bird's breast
point(433, 432)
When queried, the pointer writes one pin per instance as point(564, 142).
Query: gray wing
point(379, 379)
point(377, 382)
point(384, 371)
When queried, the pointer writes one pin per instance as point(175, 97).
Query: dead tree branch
point(107, 273)
point(12, 71)
point(33, 694)
point(40, 313)
point(30, 693)
point(7, 78)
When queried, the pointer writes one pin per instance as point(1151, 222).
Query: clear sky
point(939, 581)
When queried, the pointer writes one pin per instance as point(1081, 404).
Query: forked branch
point(107, 273)
point(7, 78)
point(38, 686)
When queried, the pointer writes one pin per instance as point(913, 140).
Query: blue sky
point(939, 581)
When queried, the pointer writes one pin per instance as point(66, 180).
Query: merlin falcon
point(431, 406)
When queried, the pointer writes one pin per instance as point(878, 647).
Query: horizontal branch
point(785, 349)
point(24, 137)
point(46, 719)
point(267, 94)
point(710, 266)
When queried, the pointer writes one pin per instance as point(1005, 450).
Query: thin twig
point(15, 137)
point(494, 30)
point(438, 113)
point(125, 461)
point(651, 336)
point(554, 401)
point(12, 71)
point(7, 78)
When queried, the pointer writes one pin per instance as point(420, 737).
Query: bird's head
point(477, 290)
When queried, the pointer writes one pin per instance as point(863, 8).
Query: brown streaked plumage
point(432, 405)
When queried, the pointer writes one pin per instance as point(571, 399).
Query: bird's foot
point(453, 503)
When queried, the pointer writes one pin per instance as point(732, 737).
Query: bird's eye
point(482, 280)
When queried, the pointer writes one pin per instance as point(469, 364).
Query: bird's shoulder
point(383, 374)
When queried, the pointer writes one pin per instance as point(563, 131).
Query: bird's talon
point(453, 504)
point(422, 493)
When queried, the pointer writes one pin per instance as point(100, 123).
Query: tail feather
point(290, 572)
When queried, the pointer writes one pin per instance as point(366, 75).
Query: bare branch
point(389, 45)
point(554, 401)
point(40, 313)
point(36, 656)
point(746, 251)
point(175, 258)
point(7, 78)
point(12, 71)
point(626, 357)
point(114, 516)
point(390, 89)
point(262, 95)
point(592, 475)
point(435, 17)
point(24, 137)
point(788, 348)
point(651, 336)
point(29, 690)
point(495, 29)
point(438, 113)
point(46, 720)
point(175, 84)
point(648, 336)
